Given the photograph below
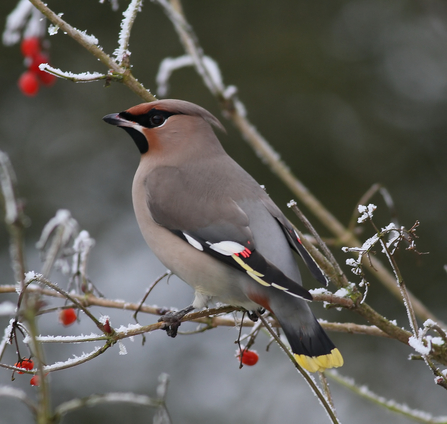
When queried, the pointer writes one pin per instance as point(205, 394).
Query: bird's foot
point(253, 315)
point(172, 320)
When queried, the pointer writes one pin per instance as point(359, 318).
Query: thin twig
point(127, 78)
point(326, 404)
point(391, 405)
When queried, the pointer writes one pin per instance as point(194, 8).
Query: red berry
point(67, 317)
point(26, 364)
point(34, 380)
point(249, 357)
point(28, 83)
point(46, 78)
point(30, 47)
point(37, 60)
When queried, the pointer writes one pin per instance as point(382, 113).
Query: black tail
point(311, 346)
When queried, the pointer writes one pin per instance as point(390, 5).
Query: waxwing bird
point(213, 226)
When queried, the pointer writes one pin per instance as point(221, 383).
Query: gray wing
point(203, 213)
point(196, 206)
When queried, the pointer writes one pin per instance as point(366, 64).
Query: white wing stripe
point(227, 248)
point(193, 242)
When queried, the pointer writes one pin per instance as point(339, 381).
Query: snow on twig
point(7, 183)
point(23, 15)
point(366, 212)
point(82, 77)
point(169, 65)
point(126, 25)
point(389, 404)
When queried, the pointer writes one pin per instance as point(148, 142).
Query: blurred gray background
point(349, 92)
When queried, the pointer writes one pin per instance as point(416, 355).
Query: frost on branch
point(366, 212)
point(25, 15)
point(126, 25)
point(169, 65)
point(82, 246)
point(55, 238)
point(82, 77)
point(7, 183)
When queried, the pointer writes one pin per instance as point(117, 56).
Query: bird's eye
point(157, 120)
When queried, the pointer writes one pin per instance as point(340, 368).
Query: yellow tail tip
point(320, 363)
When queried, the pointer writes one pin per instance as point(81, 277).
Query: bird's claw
point(253, 315)
point(172, 320)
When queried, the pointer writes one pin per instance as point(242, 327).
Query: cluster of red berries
point(27, 364)
point(31, 79)
point(66, 317)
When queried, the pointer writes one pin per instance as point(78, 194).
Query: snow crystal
point(7, 308)
point(430, 323)
point(343, 292)
point(123, 350)
point(103, 319)
point(438, 341)
point(130, 327)
point(291, 204)
point(419, 346)
point(319, 291)
point(230, 91)
point(32, 275)
point(366, 212)
point(351, 262)
point(242, 111)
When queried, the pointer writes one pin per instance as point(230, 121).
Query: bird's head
point(164, 123)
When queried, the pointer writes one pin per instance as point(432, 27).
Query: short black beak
point(114, 119)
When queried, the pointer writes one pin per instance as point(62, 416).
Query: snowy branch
point(70, 76)
point(391, 405)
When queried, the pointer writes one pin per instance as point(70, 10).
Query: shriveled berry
point(28, 83)
point(26, 364)
point(67, 317)
point(107, 328)
point(34, 380)
point(30, 46)
point(249, 357)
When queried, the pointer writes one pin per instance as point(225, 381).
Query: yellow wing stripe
point(259, 280)
point(320, 363)
point(277, 286)
point(246, 267)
